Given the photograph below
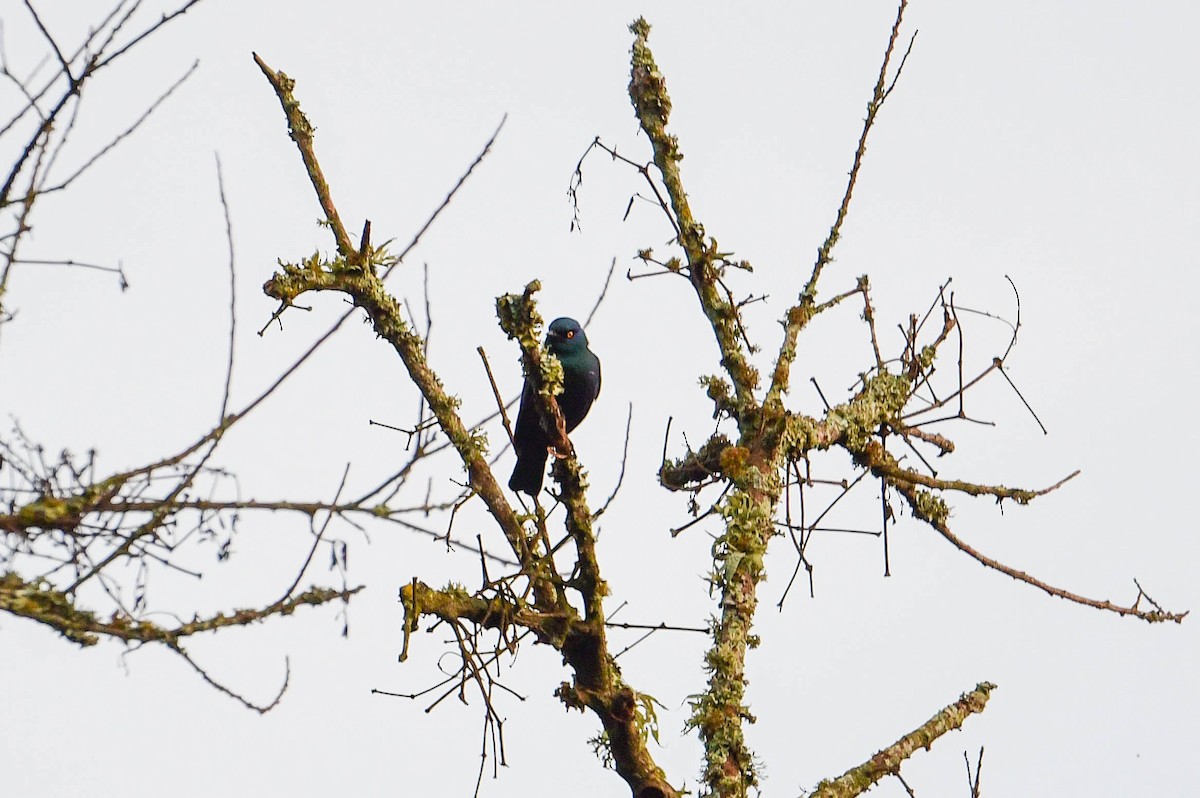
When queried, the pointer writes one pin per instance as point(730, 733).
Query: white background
point(1052, 142)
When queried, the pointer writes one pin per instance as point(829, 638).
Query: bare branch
point(800, 314)
point(933, 511)
point(825, 252)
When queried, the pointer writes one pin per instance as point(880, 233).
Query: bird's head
point(566, 337)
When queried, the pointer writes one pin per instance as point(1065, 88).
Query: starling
point(581, 386)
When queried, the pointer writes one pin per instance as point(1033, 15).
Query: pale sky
point(1052, 142)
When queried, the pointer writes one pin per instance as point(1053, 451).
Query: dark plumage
point(581, 386)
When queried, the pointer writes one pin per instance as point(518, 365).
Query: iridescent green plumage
point(581, 386)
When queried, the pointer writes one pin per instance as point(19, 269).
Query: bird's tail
point(528, 472)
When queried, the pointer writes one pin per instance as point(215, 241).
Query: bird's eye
point(570, 333)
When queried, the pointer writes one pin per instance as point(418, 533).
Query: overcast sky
point(1053, 142)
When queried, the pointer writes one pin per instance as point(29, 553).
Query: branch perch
point(597, 685)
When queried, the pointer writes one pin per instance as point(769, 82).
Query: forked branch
point(597, 685)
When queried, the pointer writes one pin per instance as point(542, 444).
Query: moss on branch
point(38, 601)
point(598, 684)
point(652, 105)
point(887, 762)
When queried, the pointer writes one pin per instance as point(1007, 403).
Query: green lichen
point(734, 460)
point(882, 397)
point(519, 317)
point(931, 508)
point(745, 520)
point(455, 590)
point(552, 374)
point(479, 441)
point(799, 436)
point(64, 512)
point(852, 424)
point(721, 393)
point(48, 512)
point(927, 356)
point(719, 713)
point(39, 601)
point(647, 717)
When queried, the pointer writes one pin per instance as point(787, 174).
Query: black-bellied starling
point(581, 386)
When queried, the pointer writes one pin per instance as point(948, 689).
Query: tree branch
point(37, 601)
point(887, 762)
point(582, 641)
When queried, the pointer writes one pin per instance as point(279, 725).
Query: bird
point(581, 386)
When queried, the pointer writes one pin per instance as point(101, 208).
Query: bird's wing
point(525, 433)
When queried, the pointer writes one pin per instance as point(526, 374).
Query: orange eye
point(570, 333)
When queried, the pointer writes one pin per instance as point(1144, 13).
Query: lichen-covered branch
point(695, 468)
point(771, 438)
point(597, 683)
point(801, 313)
point(38, 601)
point(65, 525)
point(301, 131)
point(498, 612)
point(929, 508)
point(521, 322)
point(753, 466)
point(366, 290)
point(887, 762)
point(648, 91)
point(883, 464)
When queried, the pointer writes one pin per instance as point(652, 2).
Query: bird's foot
point(556, 454)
